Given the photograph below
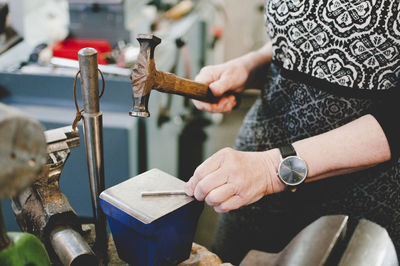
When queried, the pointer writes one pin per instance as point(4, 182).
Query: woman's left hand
point(230, 179)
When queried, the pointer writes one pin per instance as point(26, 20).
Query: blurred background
point(39, 40)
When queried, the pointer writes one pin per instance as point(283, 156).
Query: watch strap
point(287, 150)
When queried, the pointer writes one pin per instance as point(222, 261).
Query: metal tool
point(43, 210)
point(70, 247)
point(323, 242)
point(145, 77)
point(107, 69)
point(163, 193)
point(93, 130)
point(371, 245)
point(22, 156)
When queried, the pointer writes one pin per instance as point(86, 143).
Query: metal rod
point(89, 80)
point(163, 193)
point(4, 240)
point(71, 248)
point(93, 130)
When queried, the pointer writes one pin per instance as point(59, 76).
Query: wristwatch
point(292, 170)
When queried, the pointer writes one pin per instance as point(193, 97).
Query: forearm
point(255, 59)
point(357, 145)
point(230, 179)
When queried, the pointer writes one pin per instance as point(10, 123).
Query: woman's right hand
point(227, 77)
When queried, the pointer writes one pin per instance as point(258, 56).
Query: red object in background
point(217, 32)
point(69, 48)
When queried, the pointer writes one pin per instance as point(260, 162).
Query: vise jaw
point(324, 242)
point(38, 207)
point(43, 210)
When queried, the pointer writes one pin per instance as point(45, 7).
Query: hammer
point(145, 77)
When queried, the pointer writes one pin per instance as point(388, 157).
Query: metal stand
point(93, 130)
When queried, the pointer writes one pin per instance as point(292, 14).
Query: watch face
point(292, 170)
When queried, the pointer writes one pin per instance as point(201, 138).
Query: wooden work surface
point(199, 256)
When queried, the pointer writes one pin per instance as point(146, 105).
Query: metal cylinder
point(89, 79)
point(71, 248)
point(93, 131)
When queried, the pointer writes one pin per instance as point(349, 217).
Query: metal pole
point(93, 129)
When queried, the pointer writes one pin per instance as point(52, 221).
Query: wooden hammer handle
point(170, 83)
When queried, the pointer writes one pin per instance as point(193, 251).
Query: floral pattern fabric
point(349, 43)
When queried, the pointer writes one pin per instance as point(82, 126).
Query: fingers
point(222, 85)
point(220, 194)
point(189, 188)
point(208, 74)
point(225, 105)
point(216, 192)
point(230, 179)
point(209, 183)
point(207, 167)
point(224, 198)
point(232, 203)
point(219, 79)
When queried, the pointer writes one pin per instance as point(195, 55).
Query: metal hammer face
point(143, 75)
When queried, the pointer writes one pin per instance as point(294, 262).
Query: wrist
point(292, 169)
point(274, 183)
point(249, 61)
point(254, 59)
point(301, 148)
point(258, 57)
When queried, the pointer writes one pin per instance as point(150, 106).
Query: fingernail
point(188, 190)
point(215, 89)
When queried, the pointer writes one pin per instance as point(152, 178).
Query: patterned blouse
point(350, 47)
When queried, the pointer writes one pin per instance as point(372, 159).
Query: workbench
point(45, 92)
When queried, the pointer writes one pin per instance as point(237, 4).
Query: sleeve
point(387, 112)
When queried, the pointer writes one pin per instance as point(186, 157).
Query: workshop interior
point(90, 135)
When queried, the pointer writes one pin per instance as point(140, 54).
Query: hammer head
point(143, 75)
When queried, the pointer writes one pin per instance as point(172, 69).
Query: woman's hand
point(230, 179)
point(230, 76)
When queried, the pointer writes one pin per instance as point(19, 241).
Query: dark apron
point(289, 111)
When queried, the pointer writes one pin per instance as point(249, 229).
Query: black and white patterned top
point(346, 47)
point(334, 61)
point(353, 43)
